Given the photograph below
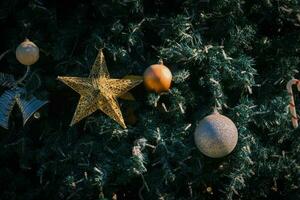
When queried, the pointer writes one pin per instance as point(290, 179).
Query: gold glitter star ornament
point(99, 91)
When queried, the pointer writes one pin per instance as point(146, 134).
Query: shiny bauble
point(158, 78)
point(27, 53)
point(216, 135)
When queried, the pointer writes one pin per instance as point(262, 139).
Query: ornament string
point(19, 81)
point(4, 53)
point(24, 76)
point(292, 106)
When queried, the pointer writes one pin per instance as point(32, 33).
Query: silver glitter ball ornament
point(216, 135)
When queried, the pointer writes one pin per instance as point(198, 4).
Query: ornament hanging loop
point(292, 106)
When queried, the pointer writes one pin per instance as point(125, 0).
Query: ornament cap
point(160, 61)
point(215, 111)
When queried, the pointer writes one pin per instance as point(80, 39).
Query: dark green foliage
point(233, 54)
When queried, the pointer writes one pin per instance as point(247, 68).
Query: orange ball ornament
point(27, 53)
point(158, 78)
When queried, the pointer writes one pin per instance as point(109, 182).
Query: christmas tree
point(233, 55)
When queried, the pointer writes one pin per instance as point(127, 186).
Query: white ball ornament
point(216, 135)
point(27, 53)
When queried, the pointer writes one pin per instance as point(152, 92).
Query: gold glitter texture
point(99, 91)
